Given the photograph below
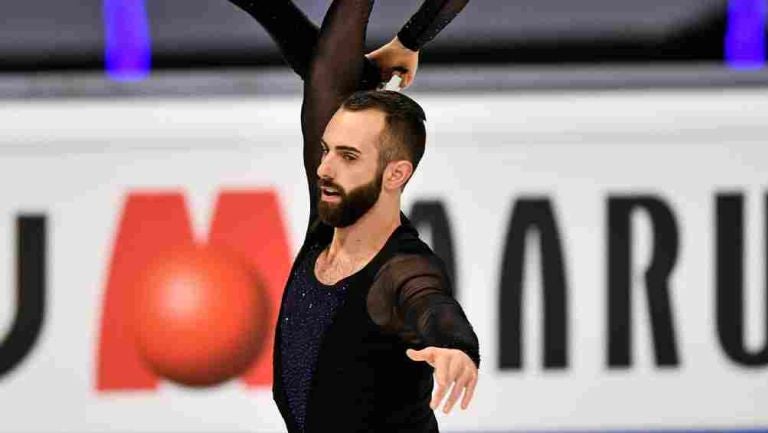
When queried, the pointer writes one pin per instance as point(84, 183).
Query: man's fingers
point(470, 389)
point(455, 372)
point(459, 384)
point(441, 373)
point(439, 393)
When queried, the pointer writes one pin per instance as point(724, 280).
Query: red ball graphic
point(199, 315)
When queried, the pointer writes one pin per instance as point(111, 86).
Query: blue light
point(128, 53)
point(745, 36)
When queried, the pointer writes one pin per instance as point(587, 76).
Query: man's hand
point(395, 57)
point(452, 367)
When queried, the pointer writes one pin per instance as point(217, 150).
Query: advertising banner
point(609, 248)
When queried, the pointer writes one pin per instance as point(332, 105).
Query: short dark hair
point(405, 134)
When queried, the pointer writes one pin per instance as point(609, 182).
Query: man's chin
point(350, 207)
point(338, 215)
point(329, 213)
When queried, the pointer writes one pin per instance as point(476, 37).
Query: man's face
point(350, 175)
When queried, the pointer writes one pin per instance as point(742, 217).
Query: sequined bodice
point(308, 311)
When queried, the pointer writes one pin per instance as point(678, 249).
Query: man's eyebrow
point(349, 149)
point(342, 148)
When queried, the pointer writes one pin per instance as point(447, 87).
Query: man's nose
point(324, 170)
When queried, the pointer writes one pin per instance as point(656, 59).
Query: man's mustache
point(322, 183)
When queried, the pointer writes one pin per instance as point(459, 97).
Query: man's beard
point(351, 206)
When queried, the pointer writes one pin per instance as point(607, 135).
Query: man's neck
point(367, 236)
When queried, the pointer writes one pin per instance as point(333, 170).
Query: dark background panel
point(69, 34)
point(46, 33)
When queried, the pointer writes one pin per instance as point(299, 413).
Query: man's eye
point(349, 157)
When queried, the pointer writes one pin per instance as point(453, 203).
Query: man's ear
point(397, 174)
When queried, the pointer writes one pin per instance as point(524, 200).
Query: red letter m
point(247, 221)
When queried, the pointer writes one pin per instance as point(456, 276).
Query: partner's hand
point(395, 57)
point(452, 367)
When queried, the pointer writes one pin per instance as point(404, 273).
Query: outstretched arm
point(410, 297)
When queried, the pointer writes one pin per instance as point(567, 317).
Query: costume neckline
point(321, 247)
point(404, 227)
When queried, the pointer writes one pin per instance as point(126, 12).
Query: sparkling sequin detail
point(309, 310)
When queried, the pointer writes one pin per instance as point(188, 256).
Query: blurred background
point(606, 159)
point(70, 35)
point(130, 38)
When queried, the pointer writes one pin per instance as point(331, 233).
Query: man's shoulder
point(412, 258)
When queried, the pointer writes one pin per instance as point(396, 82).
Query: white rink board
point(76, 160)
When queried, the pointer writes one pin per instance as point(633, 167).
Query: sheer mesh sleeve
point(410, 297)
point(428, 21)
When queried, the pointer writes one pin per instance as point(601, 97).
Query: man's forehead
point(359, 129)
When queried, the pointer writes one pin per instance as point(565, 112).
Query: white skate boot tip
point(394, 83)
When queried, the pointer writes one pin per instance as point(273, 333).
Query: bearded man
point(366, 317)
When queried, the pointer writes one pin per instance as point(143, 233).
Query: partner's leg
point(296, 36)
